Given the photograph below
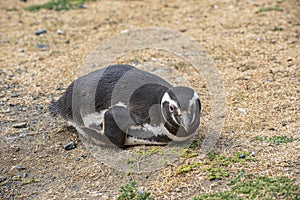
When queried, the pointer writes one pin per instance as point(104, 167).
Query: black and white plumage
point(123, 105)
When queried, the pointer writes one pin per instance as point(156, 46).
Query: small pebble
point(77, 159)
point(21, 50)
point(21, 168)
point(253, 153)
point(84, 156)
point(42, 47)
point(60, 32)
point(24, 175)
point(82, 6)
point(14, 95)
point(2, 179)
point(41, 31)
point(20, 125)
point(71, 145)
point(141, 191)
point(242, 110)
point(242, 155)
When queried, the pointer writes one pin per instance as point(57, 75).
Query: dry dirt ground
point(257, 52)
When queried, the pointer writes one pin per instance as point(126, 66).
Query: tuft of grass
point(130, 192)
point(218, 196)
point(275, 139)
point(26, 181)
point(187, 168)
point(58, 5)
point(221, 160)
point(216, 173)
point(149, 152)
point(268, 188)
point(212, 155)
point(269, 8)
point(194, 145)
point(251, 187)
point(186, 153)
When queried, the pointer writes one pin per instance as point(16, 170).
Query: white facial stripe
point(174, 119)
point(194, 99)
point(167, 98)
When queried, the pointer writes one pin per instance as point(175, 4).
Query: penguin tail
point(54, 108)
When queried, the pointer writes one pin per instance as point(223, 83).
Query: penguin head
point(181, 107)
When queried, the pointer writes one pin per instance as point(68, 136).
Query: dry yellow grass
point(257, 54)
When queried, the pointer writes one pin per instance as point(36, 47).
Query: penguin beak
point(185, 121)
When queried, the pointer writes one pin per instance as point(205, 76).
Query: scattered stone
point(243, 110)
point(82, 6)
point(25, 175)
point(242, 155)
point(21, 167)
point(289, 59)
point(77, 159)
point(20, 125)
point(42, 47)
point(21, 50)
point(141, 192)
point(16, 149)
point(40, 32)
point(60, 32)
point(14, 95)
point(71, 145)
point(2, 179)
point(253, 153)
point(84, 156)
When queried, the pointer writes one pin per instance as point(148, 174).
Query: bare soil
point(257, 53)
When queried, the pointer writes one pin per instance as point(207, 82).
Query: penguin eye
point(171, 108)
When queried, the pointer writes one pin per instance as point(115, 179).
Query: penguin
point(121, 105)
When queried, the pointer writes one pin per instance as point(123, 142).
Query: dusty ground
point(257, 54)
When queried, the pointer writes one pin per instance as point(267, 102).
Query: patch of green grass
point(187, 168)
point(218, 196)
point(251, 187)
point(186, 153)
point(216, 173)
point(237, 178)
point(130, 192)
point(212, 155)
point(275, 139)
point(268, 188)
point(149, 152)
point(194, 145)
point(26, 181)
point(221, 160)
point(269, 8)
point(58, 5)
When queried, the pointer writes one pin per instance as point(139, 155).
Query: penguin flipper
point(117, 120)
point(89, 132)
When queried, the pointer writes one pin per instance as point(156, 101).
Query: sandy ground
point(256, 53)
